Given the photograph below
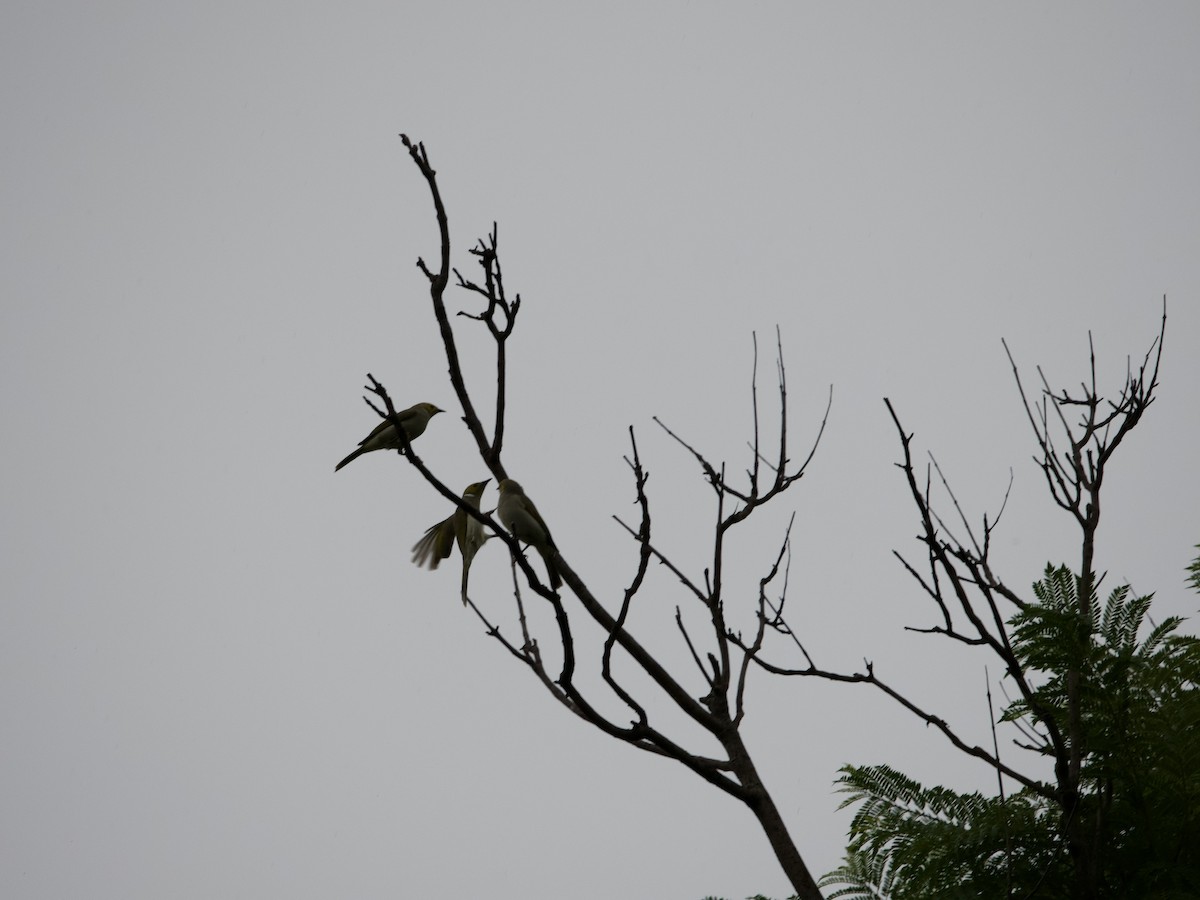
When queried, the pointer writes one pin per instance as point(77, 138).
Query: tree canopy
point(1139, 723)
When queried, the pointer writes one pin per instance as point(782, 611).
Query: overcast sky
point(220, 676)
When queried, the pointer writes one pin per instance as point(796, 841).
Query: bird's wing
point(527, 504)
point(375, 432)
point(435, 545)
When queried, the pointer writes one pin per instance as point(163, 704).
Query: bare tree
point(974, 606)
point(722, 656)
point(972, 603)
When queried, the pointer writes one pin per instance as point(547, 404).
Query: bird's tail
point(466, 571)
point(353, 456)
point(551, 569)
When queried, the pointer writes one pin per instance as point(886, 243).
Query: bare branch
point(437, 289)
point(869, 677)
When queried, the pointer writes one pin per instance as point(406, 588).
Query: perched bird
point(413, 420)
point(520, 516)
point(459, 528)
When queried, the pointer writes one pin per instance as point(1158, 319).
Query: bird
point(413, 420)
point(518, 514)
point(439, 540)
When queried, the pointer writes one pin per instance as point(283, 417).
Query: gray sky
point(219, 674)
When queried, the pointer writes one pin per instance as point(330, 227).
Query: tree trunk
point(764, 809)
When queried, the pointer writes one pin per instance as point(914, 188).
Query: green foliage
point(908, 840)
point(1139, 741)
